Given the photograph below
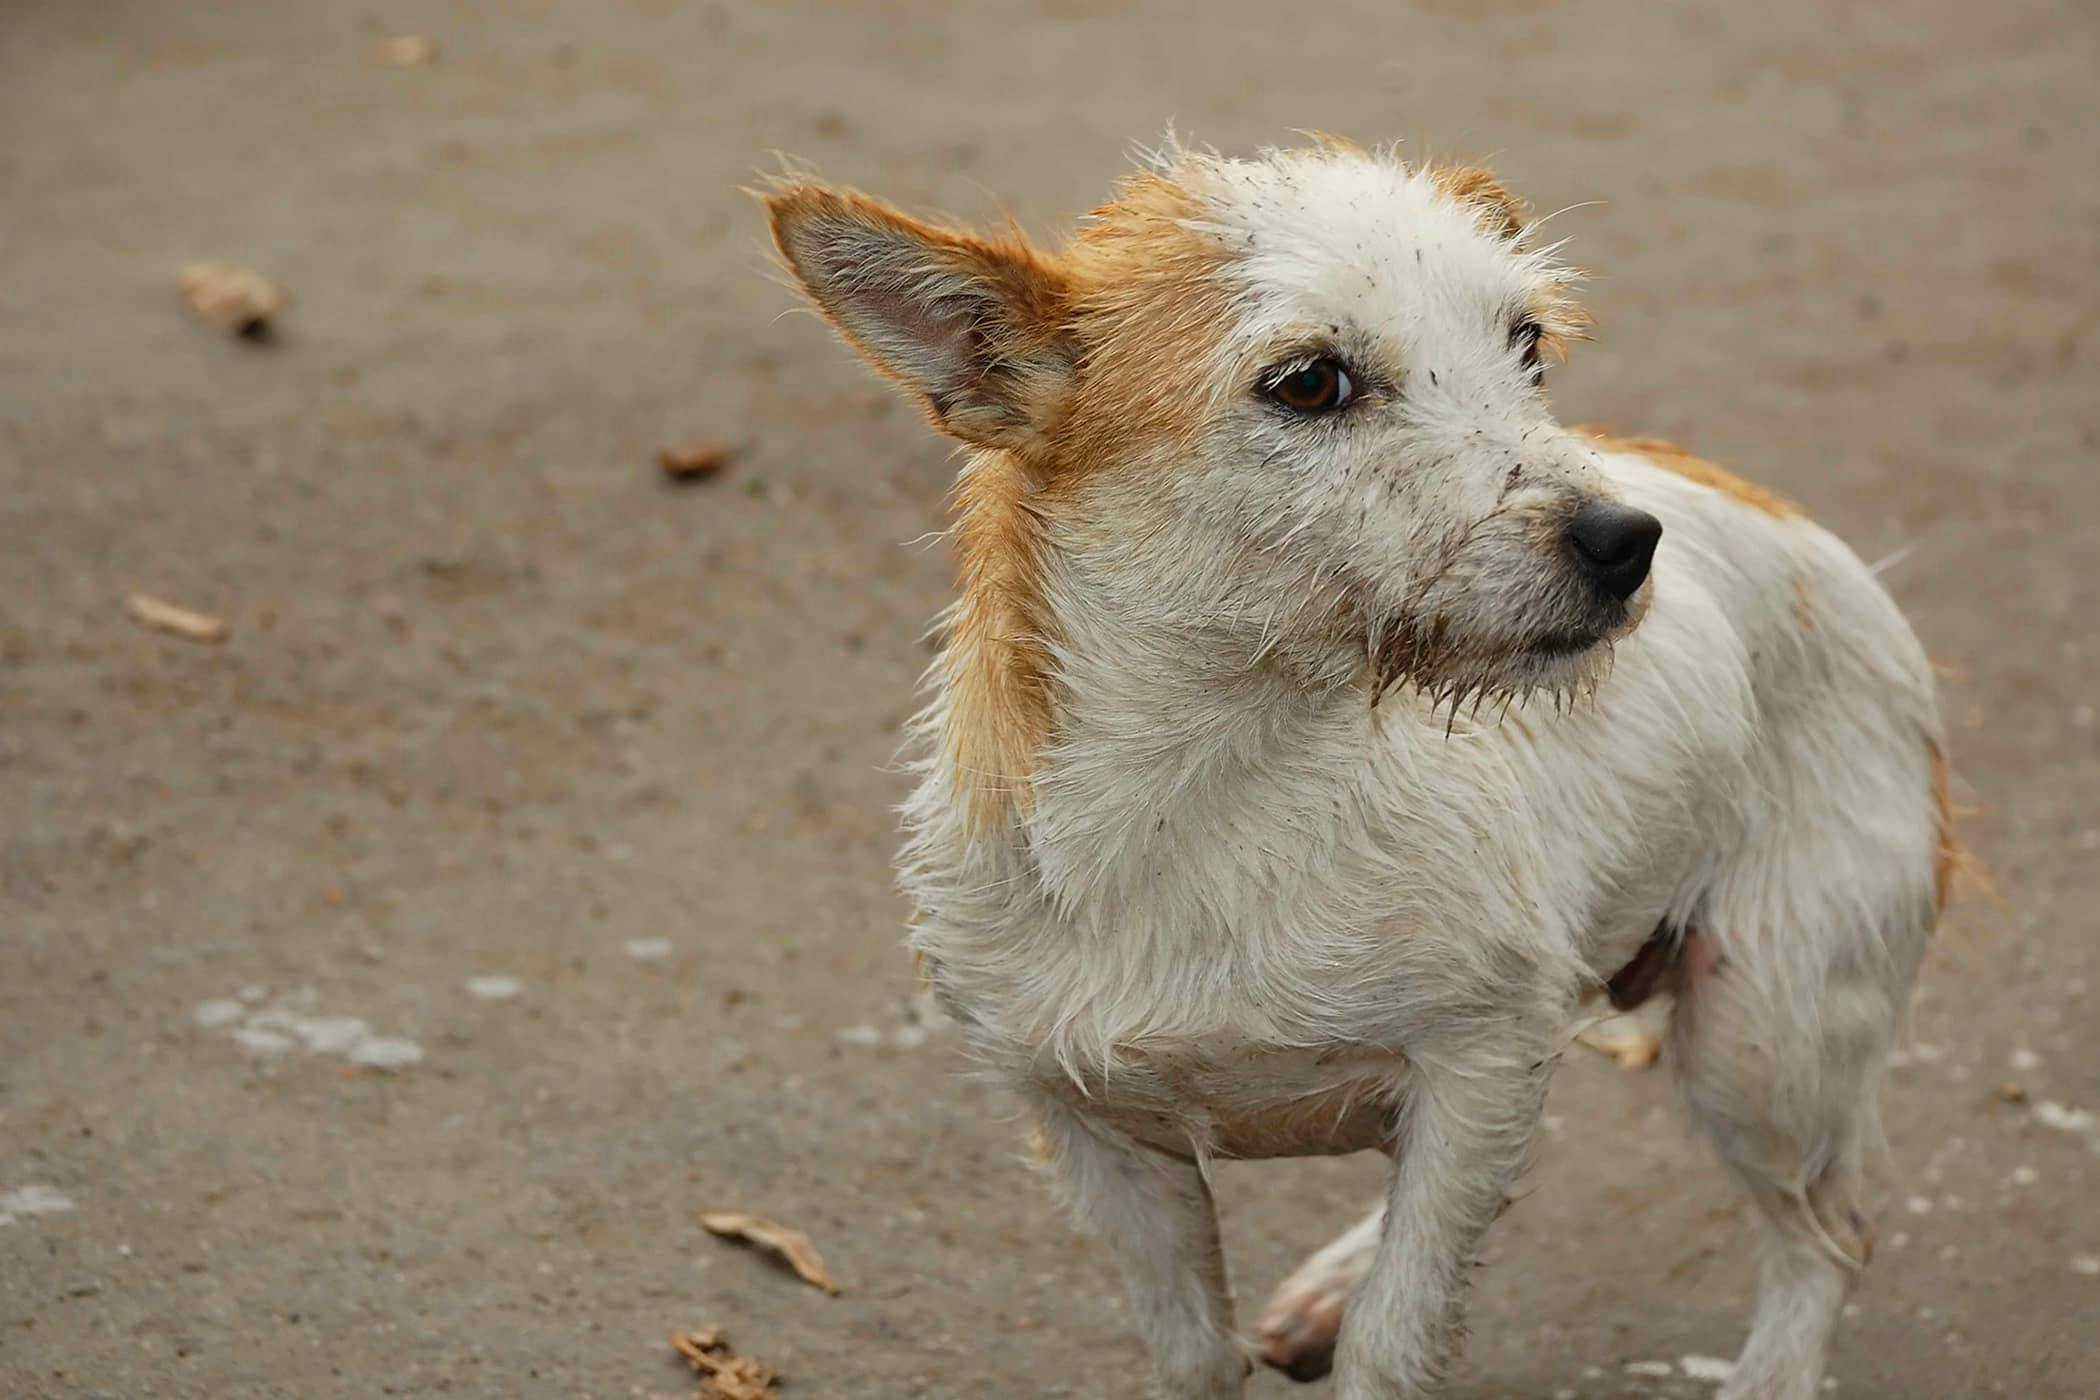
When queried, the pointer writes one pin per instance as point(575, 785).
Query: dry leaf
point(694, 461)
point(724, 1375)
point(2012, 1093)
point(407, 51)
point(1637, 1051)
point(180, 622)
point(233, 298)
point(791, 1245)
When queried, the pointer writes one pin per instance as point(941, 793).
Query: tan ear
point(971, 327)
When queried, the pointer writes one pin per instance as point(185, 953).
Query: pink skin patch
point(1702, 957)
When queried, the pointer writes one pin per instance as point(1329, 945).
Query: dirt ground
point(384, 991)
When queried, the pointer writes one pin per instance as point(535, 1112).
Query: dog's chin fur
point(1495, 675)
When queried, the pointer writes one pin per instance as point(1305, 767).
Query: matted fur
point(1286, 784)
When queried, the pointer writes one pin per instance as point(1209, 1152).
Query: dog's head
point(1312, 378)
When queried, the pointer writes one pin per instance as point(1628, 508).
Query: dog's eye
point(1319, 387)
point(1525, 336)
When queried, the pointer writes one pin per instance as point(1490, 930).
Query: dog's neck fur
point(1168, 688)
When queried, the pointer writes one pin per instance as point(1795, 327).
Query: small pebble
point(262, 1042)
point(1707, 1368)
point(385, 1053)
point(493, 988)
point(217, 1013)
point(32, 1200)
point(648, 949)
point(2064, 1119)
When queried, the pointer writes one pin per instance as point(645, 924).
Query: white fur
point(1247, 911)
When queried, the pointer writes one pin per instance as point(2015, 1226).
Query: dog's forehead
point(1348, 236)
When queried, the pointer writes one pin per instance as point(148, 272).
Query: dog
point(1323, 735)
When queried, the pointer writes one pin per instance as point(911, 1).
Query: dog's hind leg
point(1794, 983)
point(1304, 1315)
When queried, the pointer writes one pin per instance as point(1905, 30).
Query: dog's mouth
point(1564, 661)
point(1555, 645)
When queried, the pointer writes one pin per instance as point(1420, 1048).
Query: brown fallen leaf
point(723, 1374)
point(2012, 1093)
point(179, 622)
point(406, 51)
point(1636, 1050)
point(233, 298)
point(694, 461)
point(791, 1245)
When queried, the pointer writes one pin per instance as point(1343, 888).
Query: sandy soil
point(499, 703)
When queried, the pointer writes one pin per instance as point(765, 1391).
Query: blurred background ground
point(500, 704)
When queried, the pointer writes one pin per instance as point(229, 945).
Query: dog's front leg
point(1464, 1130)
point(1154, 1212)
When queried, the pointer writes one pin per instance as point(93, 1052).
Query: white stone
point(386, 1052)
point(2064, 1118)
point(1707, 1368)
point(262, 1042)
point(213, 1014)
point(329, 1035)
point(32, 1200)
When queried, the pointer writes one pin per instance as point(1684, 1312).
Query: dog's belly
point(1250, 1104)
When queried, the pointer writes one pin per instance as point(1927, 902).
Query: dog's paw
point(1298, 1329)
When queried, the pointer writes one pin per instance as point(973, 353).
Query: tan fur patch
point(1804, 608)
point(1672, 458)
point(1146, 309)
point(1948, 857)
point(1041, 1151)
point(996, 655)
point(1476, 186)
point(1150, 308)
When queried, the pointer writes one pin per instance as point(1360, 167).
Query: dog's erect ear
point(1503, 212)
point(972, 327)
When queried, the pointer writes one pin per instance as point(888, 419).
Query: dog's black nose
point(1614, 544)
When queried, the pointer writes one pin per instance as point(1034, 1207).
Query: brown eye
point(1319, 387)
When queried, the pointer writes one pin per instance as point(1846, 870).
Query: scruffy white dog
point(1322, 730)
